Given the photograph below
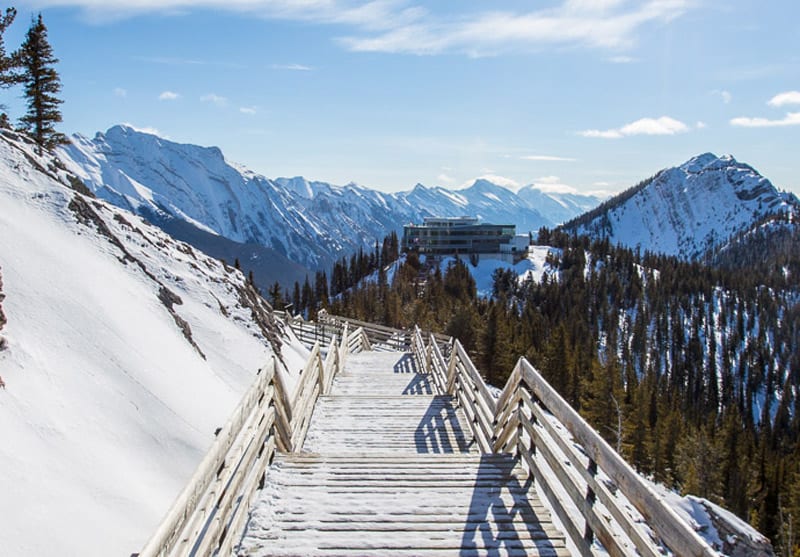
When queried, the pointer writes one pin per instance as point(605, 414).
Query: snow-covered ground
point(533, 267)
point(108, 406)
point(690, 209)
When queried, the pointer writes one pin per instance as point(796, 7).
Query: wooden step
point(389, 468)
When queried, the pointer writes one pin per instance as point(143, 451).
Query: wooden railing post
point(588, 534)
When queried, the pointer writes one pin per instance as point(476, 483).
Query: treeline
point(32, 66)
point(691, 371)
point(308, 299)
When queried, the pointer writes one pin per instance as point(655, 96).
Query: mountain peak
point(689, 210)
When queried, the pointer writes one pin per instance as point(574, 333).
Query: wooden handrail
point(202, 495)
point(209, 515)
point(521, 420)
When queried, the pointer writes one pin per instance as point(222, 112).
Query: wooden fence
point(587, 483)
point(209, 515)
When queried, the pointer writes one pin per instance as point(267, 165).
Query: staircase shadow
point(439, 431)
point(488, 530)
point(420, 384)
point(405, 364)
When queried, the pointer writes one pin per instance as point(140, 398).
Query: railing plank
point(643, 543)
point(568, 483)
point(171, 528)
point(675, 533)
point(216, 528)
point(567, 521)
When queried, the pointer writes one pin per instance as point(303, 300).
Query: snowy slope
point(688, 210)
point(126, 350)
point(311, 223)
point(558, 206)
point(532, 268)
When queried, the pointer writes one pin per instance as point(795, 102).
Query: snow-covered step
point(420, 505)
point(388, 468)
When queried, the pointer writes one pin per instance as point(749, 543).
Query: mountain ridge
point(688, 211)
point(310, 222)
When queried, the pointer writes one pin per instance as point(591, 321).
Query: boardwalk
point(388, 468)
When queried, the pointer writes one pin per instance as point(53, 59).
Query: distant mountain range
point(285, 228)
point(692, 211)
point(281, 228)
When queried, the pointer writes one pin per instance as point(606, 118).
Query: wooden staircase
point(388, 468)
point(411, 453)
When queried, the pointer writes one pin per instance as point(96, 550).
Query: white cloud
point(445, 179)
point(215, 99)
point(552, 184)
point(595, 24)
point(548, 180)
point(120, 92)
point(700, 125)
point(168, 96)
point(782, 99)
point(248, 110)
point(724, 95)
point(145, 129)
point(400, 26)
point(496, 179)
point(292, 67)
point(622, 59)
point(546, 158)
point(791, 119)
point(644, 126)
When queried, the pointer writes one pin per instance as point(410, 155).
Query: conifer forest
point(688, 369)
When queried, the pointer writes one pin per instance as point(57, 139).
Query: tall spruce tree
point(42, 85)
point(7, 77)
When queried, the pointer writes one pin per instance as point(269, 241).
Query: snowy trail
point(388, 469)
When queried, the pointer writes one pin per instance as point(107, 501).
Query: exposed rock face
point(3, 320)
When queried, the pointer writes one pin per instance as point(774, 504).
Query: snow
point(533, 267)
point(107, 408)
point(315, 223)
point(686, 210)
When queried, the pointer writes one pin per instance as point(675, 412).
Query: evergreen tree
point(42, 85)
point(7, 63)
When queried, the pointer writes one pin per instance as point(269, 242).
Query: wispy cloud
point(622, 59)
point(169, 96)
point(609, 24)
point(214, 99)
point(779, 100)
point(546, 158)
point(292, 67)
point(782, 99)
point(445, 179)
point(248, 110)
point(496, 179)
point(146, 129)
point(177, 61)
point(791, 119)
point(552, 184)
point(120, 92)
point(401, 26)
point(724, 95)
point(644, 126)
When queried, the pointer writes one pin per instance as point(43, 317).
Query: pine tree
point(7, 77)
point(42, 86)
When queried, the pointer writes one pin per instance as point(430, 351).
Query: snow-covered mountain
point(122, 351)
point(689, 211)
point(310, 223)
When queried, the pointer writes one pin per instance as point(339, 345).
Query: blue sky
point(588, 94)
